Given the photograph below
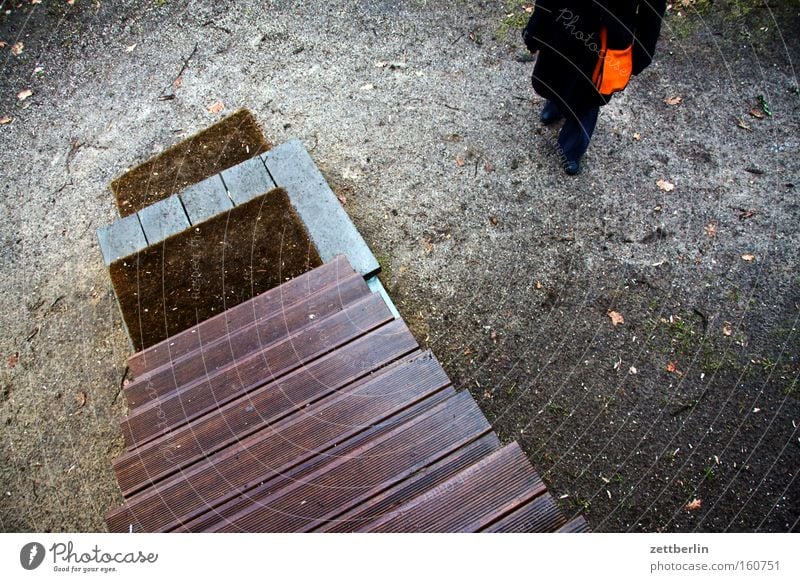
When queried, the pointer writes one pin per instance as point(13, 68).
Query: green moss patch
point(211, 267)
point(231, 141)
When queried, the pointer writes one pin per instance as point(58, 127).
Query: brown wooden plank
point(270, 452)
point(350, 479)
point(424, 480)
point(539, 515)
point(240, 343)
point(177, 450)
point(210, 394)
point(576, 525)
point(461, 503)
point(248, 312)
point(238, 503)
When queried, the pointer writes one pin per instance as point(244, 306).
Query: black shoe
point(550, 113)
point(572, 167)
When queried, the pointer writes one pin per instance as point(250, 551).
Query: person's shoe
point(550, 113)
point(572, 167)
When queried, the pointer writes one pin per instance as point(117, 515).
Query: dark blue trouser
point(574, 137)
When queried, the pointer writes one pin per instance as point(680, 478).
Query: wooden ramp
point(311, 408)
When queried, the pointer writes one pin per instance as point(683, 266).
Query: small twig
point(451, 107)
point(164, 96)
point(56, 302)
point(64, 185)
point(213, 24)
point(74, 146)
point(458, 38)
point(37, 305)
point(121, 384)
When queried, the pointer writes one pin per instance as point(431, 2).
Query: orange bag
point(614, 67)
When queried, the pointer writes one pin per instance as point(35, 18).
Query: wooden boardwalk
point(310, 408)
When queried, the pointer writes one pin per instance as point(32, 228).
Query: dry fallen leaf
point(741, 123)
point(459, 161)
point(130, 47)
point(36, 1)
point(427, 244)
point(727, 328)
point(673, 100)
point(672, 368)
point(757, 113)
point(3, 44)
point(616, 318)
point(633, 371)
point(665, 185)
point(216, 107)
point(5, 119)
point(711, 229)
point(488, 167)
point(16, 48)
point(80, 398)
point(342, 198)
point(70, 2)
point(22, 95)
point(636, 136)
point(176, 84)
point(748, 258)
point(493, 220)
point(13, 359)
point(744, 214)
point(493, 336)
point(694, 504)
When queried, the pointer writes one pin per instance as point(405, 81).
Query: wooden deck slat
point(378, 464)
point(240, 315)
point(540, 514)
point(268, 404)
point(417, 484)
point(460, 503)
point(239, 343)
point(347, 447)
point(209, 394)
point(270, 452)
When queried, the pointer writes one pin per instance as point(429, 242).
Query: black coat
point(567, 35)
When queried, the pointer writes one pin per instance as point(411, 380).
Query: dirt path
point(423, 117)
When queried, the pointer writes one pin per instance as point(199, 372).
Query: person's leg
point(550, 113)
point(574, 137)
